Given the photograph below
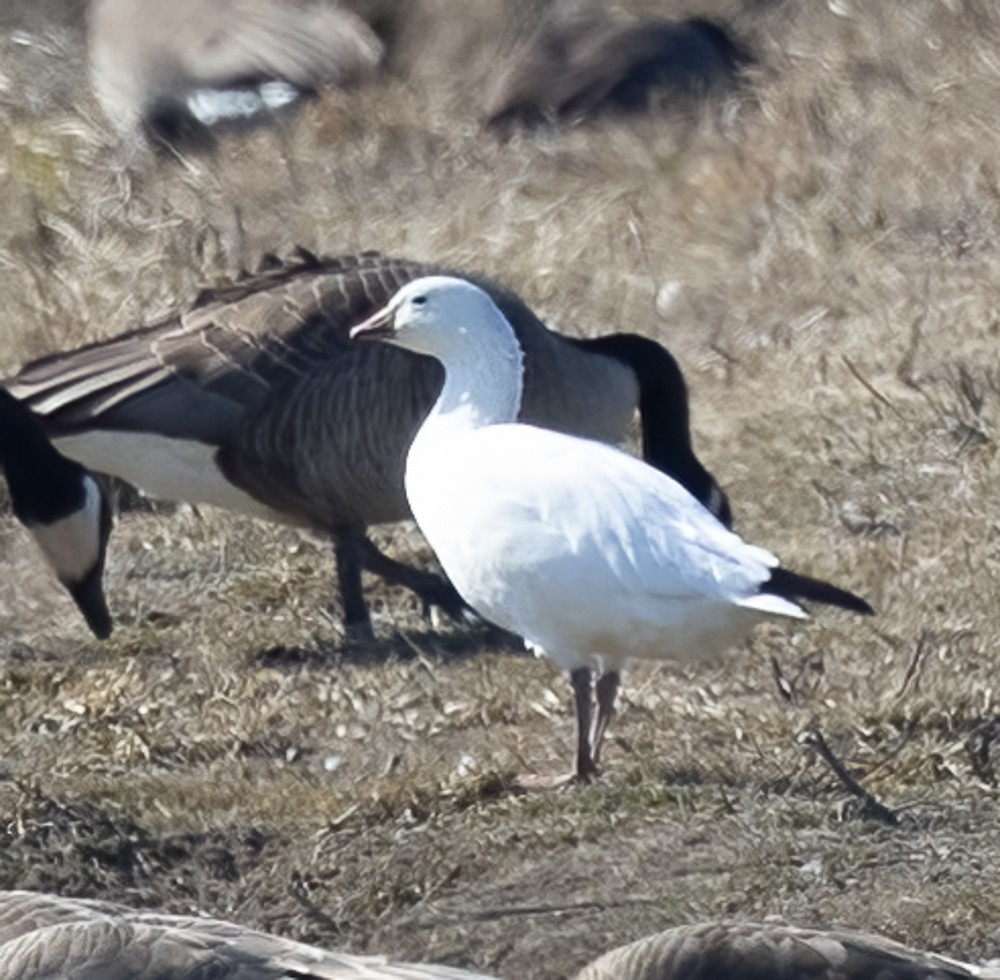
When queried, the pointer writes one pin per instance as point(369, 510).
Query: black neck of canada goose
point(45, 486)
point(665, 416)
point(61, 505)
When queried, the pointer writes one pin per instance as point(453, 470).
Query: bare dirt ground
point(821, 254)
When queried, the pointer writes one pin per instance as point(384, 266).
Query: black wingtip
point(791, 585)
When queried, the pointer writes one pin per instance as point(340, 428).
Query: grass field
point(822, 254)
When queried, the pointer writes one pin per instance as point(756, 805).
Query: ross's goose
point(591, 555)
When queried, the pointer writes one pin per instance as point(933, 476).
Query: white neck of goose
point(484, 377)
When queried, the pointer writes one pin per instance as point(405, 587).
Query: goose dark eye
point(419, 301)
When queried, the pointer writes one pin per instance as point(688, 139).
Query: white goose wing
point(537, 526)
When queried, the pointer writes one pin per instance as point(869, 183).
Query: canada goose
point(583, 62)
point(45, 937)
point(176, 68)
point(254, 400)
point(62, 506)
point(768, 951)
point(590, 554)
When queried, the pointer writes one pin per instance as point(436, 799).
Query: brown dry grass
point(820, 253)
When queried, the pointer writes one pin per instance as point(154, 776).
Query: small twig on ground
point(492, 913)
point(785, 688)
point(914, 665)
point(299, 890)
point(870, 387)
point(871, 807)
point(420, 654)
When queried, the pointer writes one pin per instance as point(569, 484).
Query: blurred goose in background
point(593, 59)
point(62, 506)
point(255, 401)
point(45, 937)
point(177, 68)
point(590, 554)
point(768, 951)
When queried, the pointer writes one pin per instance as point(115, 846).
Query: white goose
point(591, 555)
point(61, 505)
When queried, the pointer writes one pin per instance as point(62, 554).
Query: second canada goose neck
point(665, 415)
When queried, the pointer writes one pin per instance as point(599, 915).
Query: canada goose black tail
point(791, 585)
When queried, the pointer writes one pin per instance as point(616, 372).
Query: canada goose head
point(75, 547)
point(61, 505)
point(441, 317)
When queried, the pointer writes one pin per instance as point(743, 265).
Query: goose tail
point(792, 586)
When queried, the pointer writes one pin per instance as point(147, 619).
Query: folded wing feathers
point(624, 516)
point(236, 341)
point(749, 950)
point(46, 935)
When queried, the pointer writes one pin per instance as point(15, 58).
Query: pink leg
point(607, 690)
point(586, 767)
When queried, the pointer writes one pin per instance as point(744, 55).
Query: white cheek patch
point(72, 545)
point(170, 469)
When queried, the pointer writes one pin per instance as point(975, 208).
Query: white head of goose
point(62, 506)
point(177, 69)
point(593, 556)
point(45, 937)
point(770, 951)
point(254, 400)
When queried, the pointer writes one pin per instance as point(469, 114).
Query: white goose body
point(590, 554)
